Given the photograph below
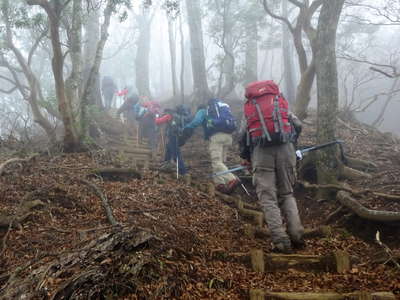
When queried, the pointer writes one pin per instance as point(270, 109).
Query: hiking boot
point(298, 244)
point(222, 188)
point(282, 247)
point(232, 185)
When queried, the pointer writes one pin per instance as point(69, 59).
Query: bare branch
point(384, 73)
point(359, 60)
point(275, 16)
point(10, 91)
point(314, 6)
point(297, 3)
point(36, 45)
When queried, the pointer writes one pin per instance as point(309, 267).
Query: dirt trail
point(196, 247)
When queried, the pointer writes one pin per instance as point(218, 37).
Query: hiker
point(218, 125)
point(267, 143)
point(108, 89)
point(146, 113)
point(127, 109)
point(175, 120)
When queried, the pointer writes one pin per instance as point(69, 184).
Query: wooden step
point(309, 233)
point(257, 294)
point(338, 261)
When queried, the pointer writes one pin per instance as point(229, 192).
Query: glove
point(299, 155)
point(246, 163)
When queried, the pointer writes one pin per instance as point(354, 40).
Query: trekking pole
point(301, 152)
point(233, 169)
point(244, 188)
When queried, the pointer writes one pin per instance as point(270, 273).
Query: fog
point(368, 40)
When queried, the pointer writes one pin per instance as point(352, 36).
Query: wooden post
point(326, 231)
point(257, 260)
point(257, 294)
point(325, 296)
point(259, 220)
point(239, 204)
point(249, 231)
point(342, 261)
point(364, 296)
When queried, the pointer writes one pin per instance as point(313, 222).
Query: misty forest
point(200, 149)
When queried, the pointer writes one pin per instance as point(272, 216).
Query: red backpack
point(152, 107)
point(267, 113)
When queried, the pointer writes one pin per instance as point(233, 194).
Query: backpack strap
point(278, 123)
point(217, 109)
point(261, 117)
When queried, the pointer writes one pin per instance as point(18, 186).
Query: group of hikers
point(268, 133)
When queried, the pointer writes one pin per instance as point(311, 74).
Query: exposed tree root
point(387, 250)
point(15, 160)
point(360, 164)
point(340, 187)
point(104, 201)
point(349, 173)
point(375, 215)
point(362, 131)
point(21, 214)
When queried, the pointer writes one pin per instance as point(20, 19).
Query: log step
point(338, 261)
point(309, 233)
point(257, 294)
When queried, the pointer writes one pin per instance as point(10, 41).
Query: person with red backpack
point(267, 143)
point(145, 113)
point(218, 125)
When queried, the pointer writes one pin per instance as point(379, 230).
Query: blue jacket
point(201, 118)
point(139, 110)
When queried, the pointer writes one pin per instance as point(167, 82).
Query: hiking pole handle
point(299, 155)
point(234, 169)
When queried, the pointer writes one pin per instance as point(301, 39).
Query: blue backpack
point(219, 116)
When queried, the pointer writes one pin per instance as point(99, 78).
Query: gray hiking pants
point(274, 174)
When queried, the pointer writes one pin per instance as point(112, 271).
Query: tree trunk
point(287, 53)
point(143, 54)
point(200, 85)
point(327, 86)
point(90, 89)
point(33, 97)
point(73, 82)
point(227, 75)
point(251, 54)
point(303, 93)
point(71, 139)
point(92, 37)
point(182, 75)
point(172, 51)
point(302, 23)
